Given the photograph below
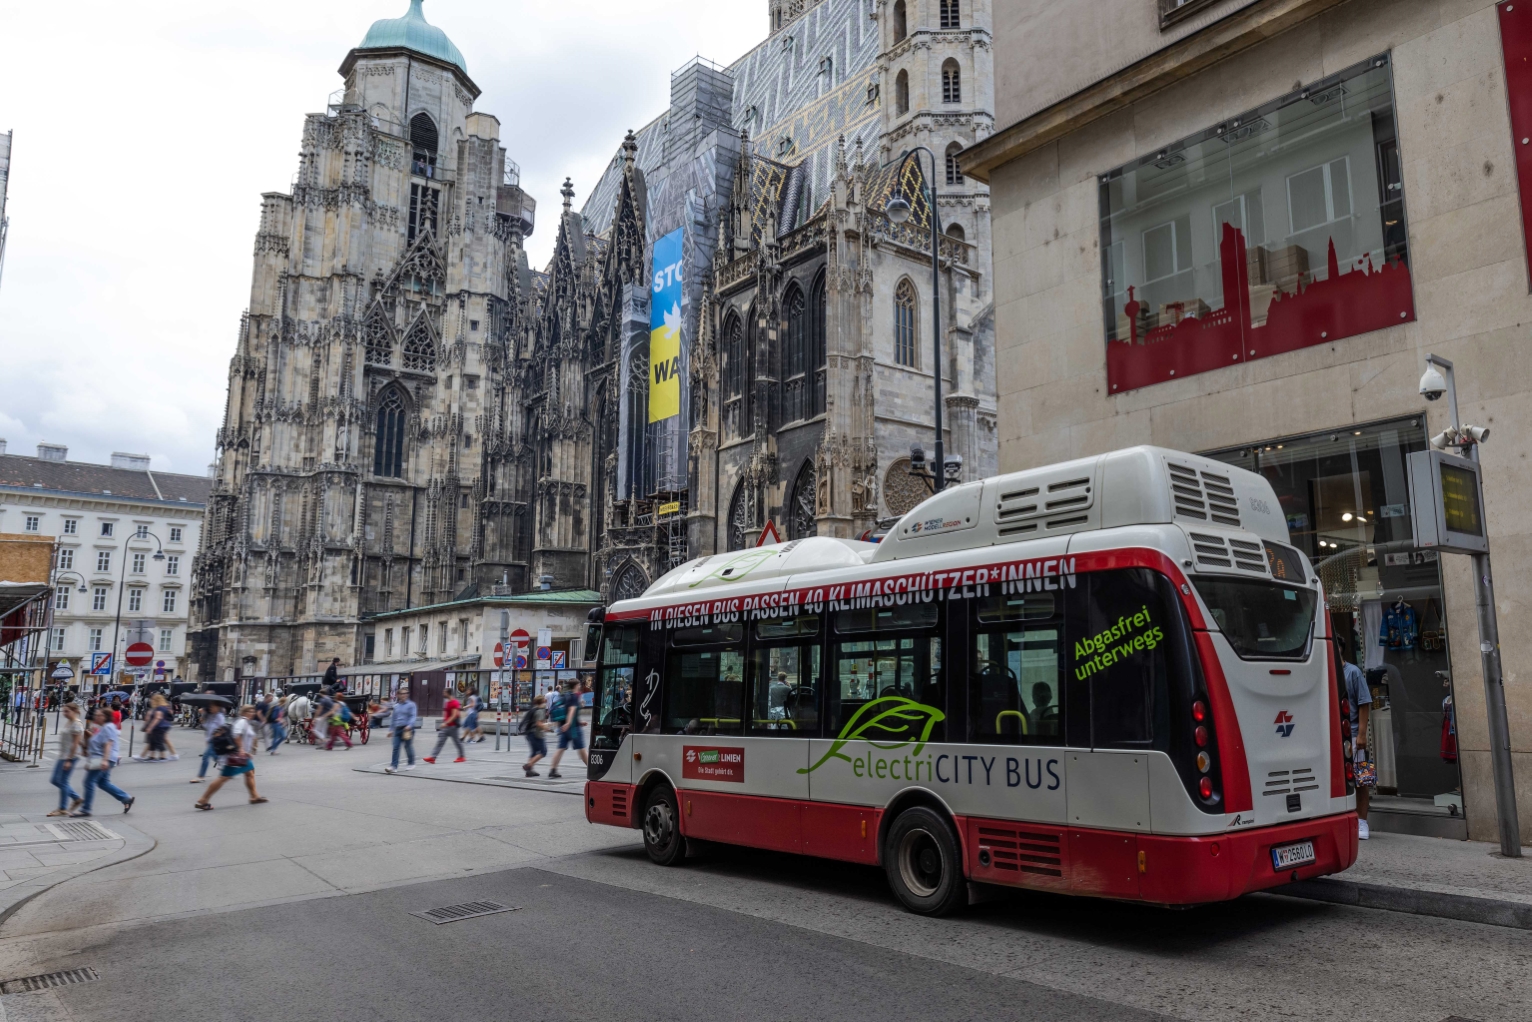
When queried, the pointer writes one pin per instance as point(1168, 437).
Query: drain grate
point(47, 982)
point(467, 910)
point(81, 830)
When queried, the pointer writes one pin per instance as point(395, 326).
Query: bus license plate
point(1288, 856)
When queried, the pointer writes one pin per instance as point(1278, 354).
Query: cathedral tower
point(366, 430)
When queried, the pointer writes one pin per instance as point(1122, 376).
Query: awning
point(411, 666)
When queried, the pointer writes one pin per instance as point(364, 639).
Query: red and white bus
point(1109, 677)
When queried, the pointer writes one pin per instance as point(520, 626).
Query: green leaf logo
point(889, 722)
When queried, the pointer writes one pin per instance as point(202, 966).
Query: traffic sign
point(559, 656)
point(499, 654)
point(520, 637)
point(521, 658)
point(139, 654)
point(63, 672)
point(101, 663)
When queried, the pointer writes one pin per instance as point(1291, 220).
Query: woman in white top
point(236, 761)
point(71, 740)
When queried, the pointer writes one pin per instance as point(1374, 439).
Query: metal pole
point(936, 324)
point(1489, 659)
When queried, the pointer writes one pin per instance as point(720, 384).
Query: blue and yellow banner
point(665, 329)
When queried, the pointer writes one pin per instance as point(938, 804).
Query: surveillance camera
point(917, 455)
point(1432, 384)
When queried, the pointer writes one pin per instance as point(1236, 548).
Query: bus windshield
point(1261, 620)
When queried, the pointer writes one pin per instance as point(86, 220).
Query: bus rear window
point(1261, 620)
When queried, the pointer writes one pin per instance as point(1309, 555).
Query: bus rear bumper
point(1163, 870)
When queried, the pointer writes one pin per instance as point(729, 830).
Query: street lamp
point(122, 581)
point(898, 210)
point(1467, 440)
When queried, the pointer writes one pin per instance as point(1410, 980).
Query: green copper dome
point(413, 32)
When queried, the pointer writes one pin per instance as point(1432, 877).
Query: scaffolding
point(26, 617)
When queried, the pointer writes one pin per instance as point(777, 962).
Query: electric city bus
point(1110, 677)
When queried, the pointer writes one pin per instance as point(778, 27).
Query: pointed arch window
point(954, 170)
point(378, 337)
point(818, 310)
point(902, 94)
point(388, 444)
point(741, 515)
point(901, 22)
point(906, 332)
point(420, 349)
point(796, 381)
point(735, 375)
point(424, 143)
point(951, 17)
point(630, 583)
point(952, 82)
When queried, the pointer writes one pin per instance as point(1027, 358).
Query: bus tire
point(923, 864)
point(662, 828)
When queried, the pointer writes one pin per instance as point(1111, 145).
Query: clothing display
point(1400, 627)
point(1449, 732)
point(1372, 639)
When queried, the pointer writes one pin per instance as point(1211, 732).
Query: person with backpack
point(533, 723)
point(235, 746)
point(340, 724)
point(402, 726)
point(212, 720)
point(276, 720)
point(566, 718)
point(323, 707)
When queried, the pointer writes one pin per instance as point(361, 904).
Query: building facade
point(1238, 227)
point(732, 333)
point(750, 219)
point(364, 461)
point(108, 524)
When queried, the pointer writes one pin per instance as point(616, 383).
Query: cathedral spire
point(568, 193)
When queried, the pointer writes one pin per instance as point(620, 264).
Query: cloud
point(137, 174)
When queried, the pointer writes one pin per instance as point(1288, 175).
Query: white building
point(110, 522)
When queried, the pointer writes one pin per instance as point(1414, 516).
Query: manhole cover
point(468, 910)
point(47, 982)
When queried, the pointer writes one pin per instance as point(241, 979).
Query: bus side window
point(785, 678)
point(1120, 654)
point(613, 701)
point(704, 687)
point(1016, 671)
point(890, 653)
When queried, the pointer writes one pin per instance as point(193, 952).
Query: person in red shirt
point(452, 721)
point(117, 713)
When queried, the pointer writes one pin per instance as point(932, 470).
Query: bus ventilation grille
point(1280, 782)
point(1023, 851)
point(620, 803)
point(1205, 496)
point(1023, 511)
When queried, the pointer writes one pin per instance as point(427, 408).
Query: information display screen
point(1460, 501)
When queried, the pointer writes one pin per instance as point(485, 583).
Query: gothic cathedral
point(734, 333)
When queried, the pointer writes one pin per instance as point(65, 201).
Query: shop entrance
point(1346, 497)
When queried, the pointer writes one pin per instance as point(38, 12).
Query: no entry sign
point(139, 654)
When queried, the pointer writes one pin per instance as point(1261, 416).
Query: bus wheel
point(923, 864)
point(662, 831)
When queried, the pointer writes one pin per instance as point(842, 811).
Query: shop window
point(1345, 495)
point(1277, 230)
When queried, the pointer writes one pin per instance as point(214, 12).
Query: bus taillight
point(1202, 734)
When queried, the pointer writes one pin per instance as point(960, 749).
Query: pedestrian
point(277, 721)
point(452, 717)
point(471, 730)
point(533, 724)
point(211, 722)
point(235, 746)
point(340, 725)
point(1359, 697)
point(322, 709)
point(101, 756)
point(566, 717)
point(156, 729)
point(71, 744)
point(402, 727)
point(116, 711)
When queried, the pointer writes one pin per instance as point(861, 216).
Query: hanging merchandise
point(1449, 731)
point(1372, 626)
point(1400, 626)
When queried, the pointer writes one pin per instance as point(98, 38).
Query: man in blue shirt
point(1355, 691)
point(402, 726)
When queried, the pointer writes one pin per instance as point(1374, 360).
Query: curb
point(135, 844)
point(578, 793)
point(1489, 911)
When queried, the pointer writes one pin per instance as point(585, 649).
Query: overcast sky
point(146, 132)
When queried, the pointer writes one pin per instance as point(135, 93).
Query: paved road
point(300, 910)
